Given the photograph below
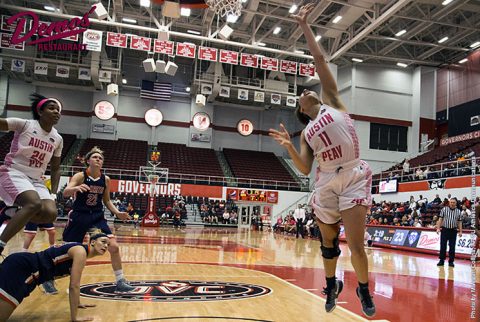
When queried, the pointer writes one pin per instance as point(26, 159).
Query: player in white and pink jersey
point(343, 181)
point(36, 143)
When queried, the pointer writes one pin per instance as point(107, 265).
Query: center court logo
point(175, 291)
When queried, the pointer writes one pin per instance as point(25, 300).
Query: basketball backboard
point(146, 174)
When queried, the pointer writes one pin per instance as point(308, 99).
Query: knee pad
point(331, 252)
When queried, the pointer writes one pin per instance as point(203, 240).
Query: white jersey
point(333, 139)
point(32, 147)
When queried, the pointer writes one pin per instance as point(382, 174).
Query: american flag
point(156, 91)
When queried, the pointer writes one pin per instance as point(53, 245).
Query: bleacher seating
point(121, 154)
point(256, 165)
point(179, 158)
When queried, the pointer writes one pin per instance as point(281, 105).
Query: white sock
point(118, 275)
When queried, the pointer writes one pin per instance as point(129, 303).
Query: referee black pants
point(300, 228)
point(450, 235)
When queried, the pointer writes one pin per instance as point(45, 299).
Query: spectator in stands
point(226, 216)
point(437, 200)
point(177, 219)
point(417, 223)
point(406, 170)
point(404, 221)
point(396, 222)
point(309, 225)
point(279, 224)
point(466, 220)
point(419, 174)
point(234, 217)
point(427, 173)
point(466, 202)
point(373, 221)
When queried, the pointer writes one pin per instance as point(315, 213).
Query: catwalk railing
point(435, 171)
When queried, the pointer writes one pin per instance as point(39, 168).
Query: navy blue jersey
point(90, 200)
point(54, 262)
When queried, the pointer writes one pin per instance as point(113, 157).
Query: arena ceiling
point(368, 30)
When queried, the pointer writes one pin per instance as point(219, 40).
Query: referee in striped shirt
point(450, 220)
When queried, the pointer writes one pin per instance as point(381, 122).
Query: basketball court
point(206, 274)
point(237, 70)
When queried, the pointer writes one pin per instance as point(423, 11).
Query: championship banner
point(229, 57)
point(249, 60)
point(268, 63)
point(289, 67)
point(163, 47)
point(140, 43)
point(116, 40)
point(186, 50)
point(5, 42)
point(306, 70)
point(207, 53)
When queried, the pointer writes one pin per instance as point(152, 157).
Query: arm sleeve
point(58, 150)
point(15, 124)
point(442, 213)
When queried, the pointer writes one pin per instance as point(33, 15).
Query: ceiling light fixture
point(293, 8)
point(318, 37)
point(337, 19)
point(129, 20)
point(145, 3)
point(475, 44)
point(194, 32)
point(232, 18)
point(401, 32)
point(185, 12)
point(463, 60)
point(444, 39)
point(402, 65)
point(49, 8)
point(276, 31)
point(358, 60)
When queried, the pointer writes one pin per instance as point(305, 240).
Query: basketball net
point(153, 178)
point(226, 7)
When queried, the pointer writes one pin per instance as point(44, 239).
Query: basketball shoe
point(332, 295)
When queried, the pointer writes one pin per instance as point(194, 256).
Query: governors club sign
point(175, 291)
point(48, 31)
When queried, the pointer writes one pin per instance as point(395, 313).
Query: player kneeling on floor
point(20, 273)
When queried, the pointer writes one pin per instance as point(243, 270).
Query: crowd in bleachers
point(416, 212)
point(218, 211)
point(442, 162)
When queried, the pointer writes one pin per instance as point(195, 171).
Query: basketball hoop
point(226, 7)
point(153, 178)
